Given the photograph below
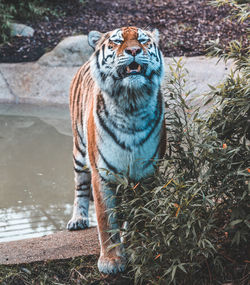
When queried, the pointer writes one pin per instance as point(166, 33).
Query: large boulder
point(21, 30)
point(72, 51)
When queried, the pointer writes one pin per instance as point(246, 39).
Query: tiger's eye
point(144, 41)
point(117, 42)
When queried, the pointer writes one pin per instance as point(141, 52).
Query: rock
point(38, 84)
point(6, 95)
point(21, 30)
point(72, 51)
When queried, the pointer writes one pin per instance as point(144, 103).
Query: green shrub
point(5, 19)
point(20, 10)
point(239, 8)
point(191, 224)
point(25, 10)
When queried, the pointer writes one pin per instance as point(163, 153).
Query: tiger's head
point(126, 60)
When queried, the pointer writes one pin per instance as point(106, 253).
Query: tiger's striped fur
point(117, 113)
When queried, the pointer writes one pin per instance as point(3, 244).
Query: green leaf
point(235, 222)
point(211, 87)
point(182, 267)
point(148, 211)
point(173, 272)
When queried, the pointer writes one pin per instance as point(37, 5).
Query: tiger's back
point(117, 114)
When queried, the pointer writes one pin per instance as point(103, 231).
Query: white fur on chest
point(131, 155)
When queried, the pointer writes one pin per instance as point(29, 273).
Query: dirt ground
point(186, 26)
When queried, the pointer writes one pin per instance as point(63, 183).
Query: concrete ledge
point(46, 85)
point(60, 245)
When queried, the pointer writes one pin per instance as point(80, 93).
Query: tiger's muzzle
point(133, 69)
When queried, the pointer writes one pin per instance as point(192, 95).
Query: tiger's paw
point(111, 265)
point(78, 223)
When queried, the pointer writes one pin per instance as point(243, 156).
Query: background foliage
point(11, 10)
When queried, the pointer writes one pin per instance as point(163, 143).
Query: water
point(36, 171)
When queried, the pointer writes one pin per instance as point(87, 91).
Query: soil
point(186, 26)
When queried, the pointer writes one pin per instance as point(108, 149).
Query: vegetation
point(80, 270)
point(239, 8)
point(12, 10)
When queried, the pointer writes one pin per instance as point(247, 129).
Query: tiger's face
point(126, 59)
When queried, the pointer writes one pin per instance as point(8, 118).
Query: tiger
point(117, 115)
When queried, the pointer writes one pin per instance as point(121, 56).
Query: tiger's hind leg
point(79, 218)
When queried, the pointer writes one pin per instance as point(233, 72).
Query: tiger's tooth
point(139, 68)
point(128, 70)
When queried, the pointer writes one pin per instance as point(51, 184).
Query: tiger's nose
point(133, 50)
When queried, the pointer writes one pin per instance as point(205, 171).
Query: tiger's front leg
point(79, 220)
point(112, 259)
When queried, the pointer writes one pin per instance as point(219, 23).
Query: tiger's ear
point(93, 38)
point(156, 36)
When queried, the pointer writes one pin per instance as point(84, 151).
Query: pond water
point(36, 171)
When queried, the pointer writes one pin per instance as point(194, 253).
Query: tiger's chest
point(128, 143)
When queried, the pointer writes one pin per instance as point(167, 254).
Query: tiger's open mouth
point(133, 68)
